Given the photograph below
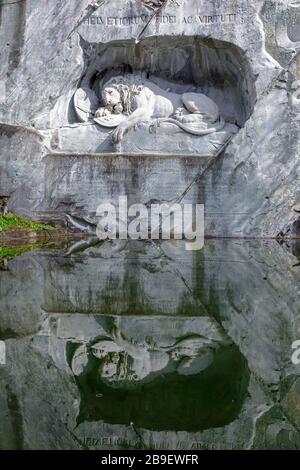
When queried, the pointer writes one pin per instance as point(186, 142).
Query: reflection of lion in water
point(126, 362)
point(135, 100)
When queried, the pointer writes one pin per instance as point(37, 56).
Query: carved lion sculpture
point(128, 100)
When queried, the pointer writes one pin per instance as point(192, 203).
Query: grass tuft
point(7, 252)
point(12, 222)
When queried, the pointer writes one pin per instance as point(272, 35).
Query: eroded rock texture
point(243, 55)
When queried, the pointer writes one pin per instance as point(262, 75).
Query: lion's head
point(111, 98)
point(118, 95)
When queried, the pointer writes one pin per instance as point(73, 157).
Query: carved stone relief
point(127, 101)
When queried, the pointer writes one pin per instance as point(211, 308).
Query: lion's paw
point(153, 126)
point(101, 112)
point(118, 134)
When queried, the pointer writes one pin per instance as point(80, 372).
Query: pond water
point(144, 345)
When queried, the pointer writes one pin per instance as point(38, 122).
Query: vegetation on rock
point(11, 222)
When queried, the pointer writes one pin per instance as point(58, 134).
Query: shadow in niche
point(170, 401)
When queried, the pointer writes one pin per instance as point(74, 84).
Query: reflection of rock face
point(171, 401)
point(159, 378)
point(135, 278)
point(124, 360)
point(155, 364)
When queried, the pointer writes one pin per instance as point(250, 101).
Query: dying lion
point(128, 100)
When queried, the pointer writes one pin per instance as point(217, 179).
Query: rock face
point(242, 56)
point(150, 324)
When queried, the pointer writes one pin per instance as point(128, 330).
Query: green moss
point(10, 252)
point(12, 222)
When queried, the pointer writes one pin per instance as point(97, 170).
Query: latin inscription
point(213, 19)
point(110, 441)
point(205, 20)
point(128, 20)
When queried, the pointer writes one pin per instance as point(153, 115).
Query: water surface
point(144, 345)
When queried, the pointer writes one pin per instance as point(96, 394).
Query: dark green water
point(130, 345)
point(170, 401)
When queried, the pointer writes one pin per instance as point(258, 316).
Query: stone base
point(90, 138)
point(169, 136)
point(78, 184)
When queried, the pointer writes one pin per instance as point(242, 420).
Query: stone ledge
point(139, 154)
point(170, 136)
point(94, 140)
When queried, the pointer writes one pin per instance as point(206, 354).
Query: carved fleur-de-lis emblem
point(156, 4)
point(153, 4)
point(97, 3)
